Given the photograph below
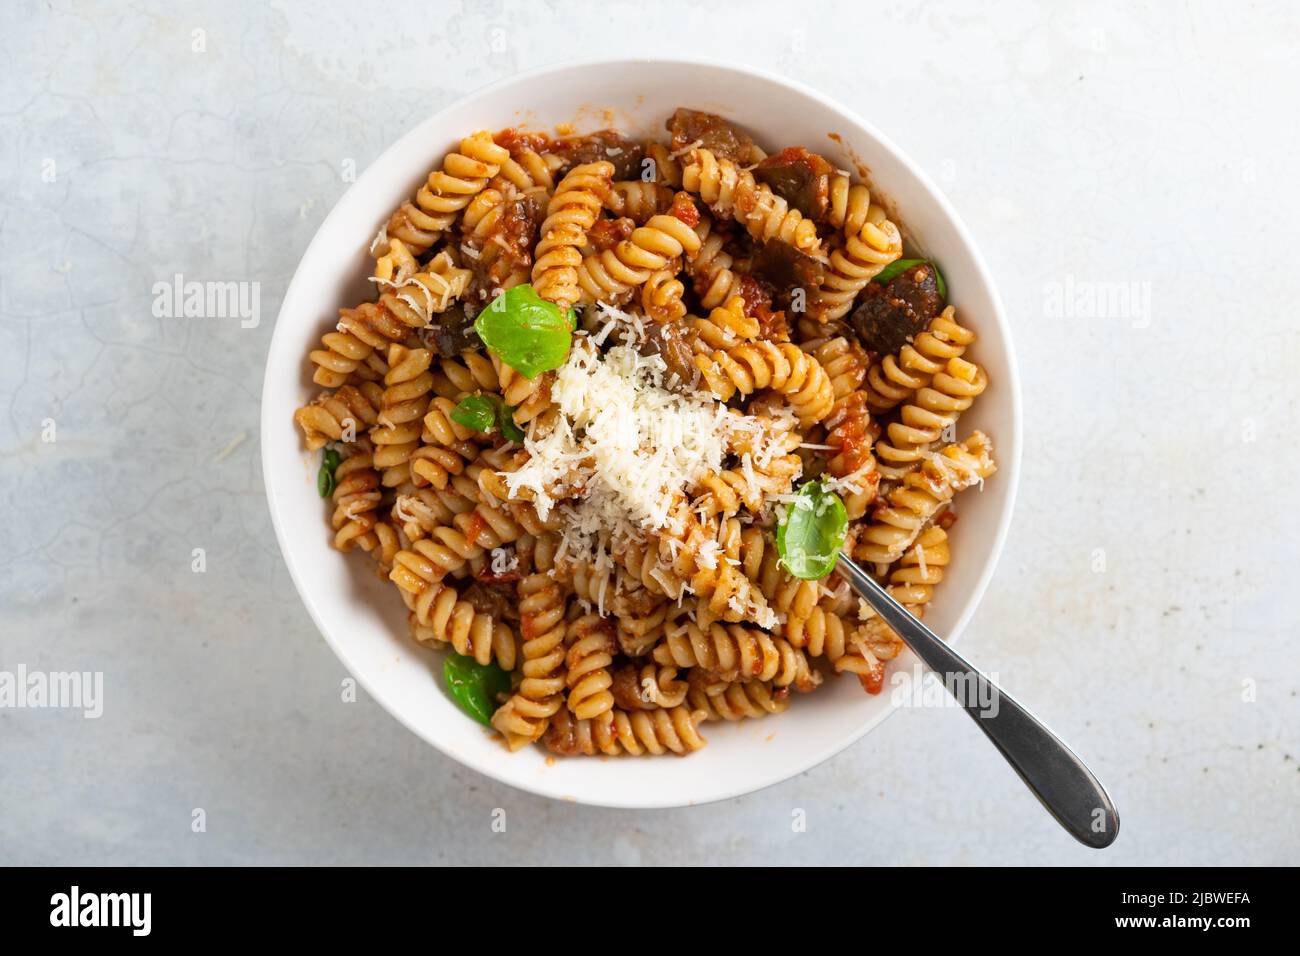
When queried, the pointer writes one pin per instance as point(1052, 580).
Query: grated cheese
point(619, 458)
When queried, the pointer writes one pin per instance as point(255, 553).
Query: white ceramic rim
point(1008, 468)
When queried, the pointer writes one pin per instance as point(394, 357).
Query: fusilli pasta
point(605, 528)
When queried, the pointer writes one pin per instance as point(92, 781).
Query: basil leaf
point(509, 429)
point(476, 688)
point(528, 333)
point(477, 412)
point(810, 536)
point(325, 480)
point(899, 266)
point(895, 269)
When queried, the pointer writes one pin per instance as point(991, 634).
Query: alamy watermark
point(133, 911)
point(1093, 299)
point(919, 687)
point(179, 299)
point(21, 689)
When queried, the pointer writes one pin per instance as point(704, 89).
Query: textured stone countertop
point(1084, 145)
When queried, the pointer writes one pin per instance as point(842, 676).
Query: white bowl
point(363, 619)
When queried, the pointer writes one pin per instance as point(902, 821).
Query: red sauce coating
point(684, 208)
point(488, 576)
point(475, 527)
point(516, 139)
point(874, 681)
point(607, 233)
point(755, 294)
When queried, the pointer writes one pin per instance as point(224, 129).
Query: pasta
point(599, 518)
point(897, 377)
point(449, 189)
point(731, 191)
point(746, 368)
point(571, 214)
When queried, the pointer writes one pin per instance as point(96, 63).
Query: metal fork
point(1054, 772)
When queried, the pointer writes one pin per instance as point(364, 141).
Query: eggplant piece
point(626, 688)
point(801, 178)
point(493, 596)
point(453, 331)
point(605, 234)
point(891, 315)
point(506, 249)
point(671, 342)
point(519, 223)
point(713, 133)
point(607, 145)
point(785, 269)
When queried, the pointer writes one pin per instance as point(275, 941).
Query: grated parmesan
point(618, 459)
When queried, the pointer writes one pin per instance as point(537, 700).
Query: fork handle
point(1051, 770)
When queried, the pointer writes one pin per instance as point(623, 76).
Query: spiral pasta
point(637, 634)
point(732, 192)
point(922, 421)
point(638, 200)
point(854, 261)
point(711, 267)
point(529, 171)
point(667, 168)
point(692, 557)
point(845, 363)
point(439, 428)
point(733, 652)
point(571, 213)
point(760, 474)
point(356, 500)
point(448, 190)
point(482, 223)
point(472, 372)
point(525, 716)
point(421, 511)
point(661, 296)
point(439, 615)
point(591, 652)
point(850, 437)
point(340, 415)
point(734, 701)
point(897, 377)
point(618, 553)
point(849, 204)
point(791, 372)
point(360, 331)
point(911, 583)
point(528, 397)
point(397, 435)
point(648, 687)
point(610, 275)
point(725, 327)
point(673, 730)
point(907, 509)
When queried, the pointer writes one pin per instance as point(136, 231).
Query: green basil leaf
point(509, 429)
point(529, 334)
point(895, 269)
point(325, 481)
point(810, 536)
point(477, 412)
point(476, 688)
point(899, 266)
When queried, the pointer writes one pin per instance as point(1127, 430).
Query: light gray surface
point(1082, 146)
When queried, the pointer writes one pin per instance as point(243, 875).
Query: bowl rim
point(1008, 467)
